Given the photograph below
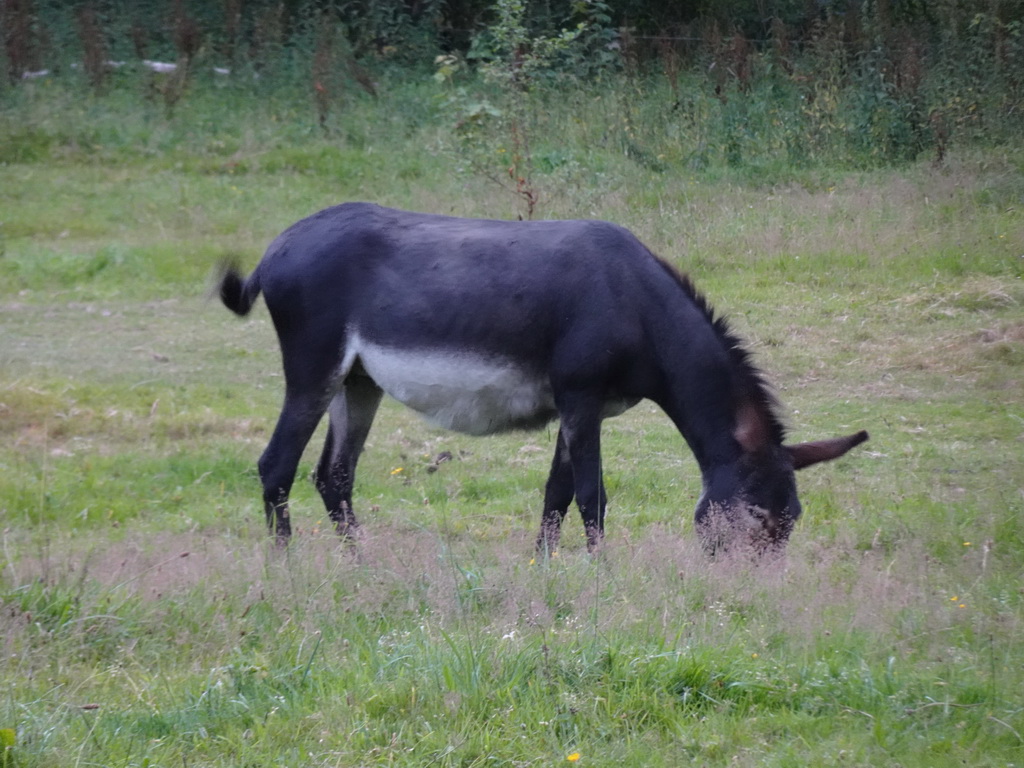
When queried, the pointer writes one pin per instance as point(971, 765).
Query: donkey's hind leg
point(351, 413)
point(295, 426)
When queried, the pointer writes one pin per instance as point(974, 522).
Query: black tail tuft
point(237, 293)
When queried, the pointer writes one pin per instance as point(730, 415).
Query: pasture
point(148, 620)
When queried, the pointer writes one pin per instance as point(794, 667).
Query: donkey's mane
point(753, 383)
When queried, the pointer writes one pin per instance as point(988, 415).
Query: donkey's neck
point(699, 398)
point(708, 378)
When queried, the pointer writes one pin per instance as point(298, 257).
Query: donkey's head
point(752, 503)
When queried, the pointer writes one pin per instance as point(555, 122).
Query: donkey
point(488, 326)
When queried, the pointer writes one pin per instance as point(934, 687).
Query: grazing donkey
point(488, 326)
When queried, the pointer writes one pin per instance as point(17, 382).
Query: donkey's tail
point(237, 292)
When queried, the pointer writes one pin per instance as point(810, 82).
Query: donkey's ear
point(806, 454)
point(751, 430)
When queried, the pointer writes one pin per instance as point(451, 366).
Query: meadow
point(147, 619)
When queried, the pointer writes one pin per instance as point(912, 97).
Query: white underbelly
point(465, 392)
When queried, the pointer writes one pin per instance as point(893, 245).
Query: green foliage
point(497, 140)
point(878, 87)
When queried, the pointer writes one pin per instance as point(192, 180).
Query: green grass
point(147, 620)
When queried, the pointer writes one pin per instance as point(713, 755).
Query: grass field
point(148, 621)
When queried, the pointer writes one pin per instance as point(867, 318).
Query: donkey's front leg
point(558, 495)
point(581, 434)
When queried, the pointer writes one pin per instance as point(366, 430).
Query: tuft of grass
point(334, 654)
